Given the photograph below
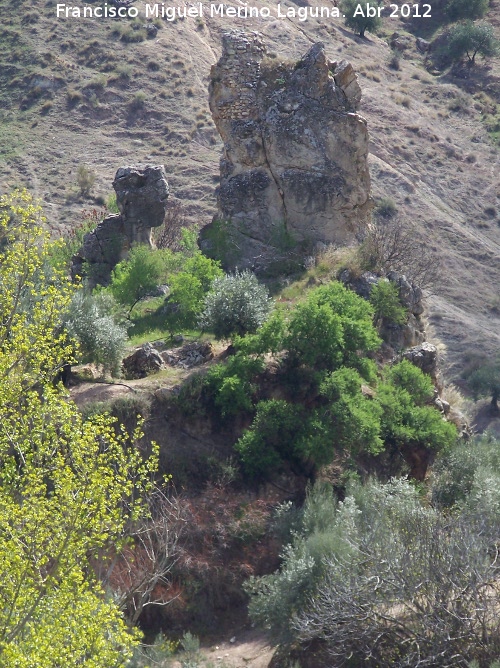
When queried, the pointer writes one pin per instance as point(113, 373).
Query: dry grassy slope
point(438, 165)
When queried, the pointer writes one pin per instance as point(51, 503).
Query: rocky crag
point(141, 196)
point(294, 165)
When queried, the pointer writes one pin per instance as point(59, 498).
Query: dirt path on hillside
point(249, 649)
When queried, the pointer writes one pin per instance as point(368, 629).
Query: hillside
point(105, 93)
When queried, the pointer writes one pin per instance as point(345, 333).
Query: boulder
point(142, 362)
point(423, 45)
point(411, 295)
point(424, 357)
point(294, 166)
point(192, 354)
point(141, 196)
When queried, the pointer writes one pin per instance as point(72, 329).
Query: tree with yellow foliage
point(68, 488)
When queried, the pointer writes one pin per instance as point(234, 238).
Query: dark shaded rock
point(411, 295)
point(142, 362)
point(362, 285)
point(141, 196)
point(423, 45)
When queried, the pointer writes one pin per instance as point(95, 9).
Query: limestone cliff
point(295, 150)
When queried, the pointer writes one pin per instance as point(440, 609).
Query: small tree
point(237, 304)
point(68, 487)
point(469, 39)
point(134, 277)
point(391, 245)
point(85, 177)
point(485, 381)
point(466, 9)
point(385, 299)
point(356, 16)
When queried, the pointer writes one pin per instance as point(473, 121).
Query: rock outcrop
point(141, 196)
point(396, 337)
point(142, 362)
point(294, 163)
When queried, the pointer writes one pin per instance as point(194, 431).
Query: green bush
point(405, 424)
point(332, 328)
point(237, 304)
point(466, 9)
point(144, 269)
point(384, 580)
point(353, 419)
point(470, 39)
point(384, 297)
point(101, 338)
point(276, 436)
point(189, 287)
point(410, 378)
point(229, 388)
point(454, 473)
point(356, 20)
point(85, 178)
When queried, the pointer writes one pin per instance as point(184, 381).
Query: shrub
point(410, 378)
point(230, 387)
point(356, 20)
point(101, 339)
point(391, 245)
point(385, 299)
point(273, 438)
point(485, 381)
point(350, 577)
point(85, 178)
point(469, 39)
point(189, 288)
point(132, 279)
point(237, 304)
point(386, 208)
point(454, 473)
point(466, 9)
point(405, 424)
point(333, 327)
point(353, 420)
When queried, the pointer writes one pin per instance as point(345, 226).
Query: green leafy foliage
point(331, 328)
point(384, 297)
point(353, 419)
point(466, 9)
point(68, 488)
point(350, 574)
point(92, 322)
point(470, 39)
point(143, 270)
point(404, 423)
point(458, 470)
point(276, 435)
point(189, 288)
point(229, 387)
point(237, 304)
point(358, 20)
